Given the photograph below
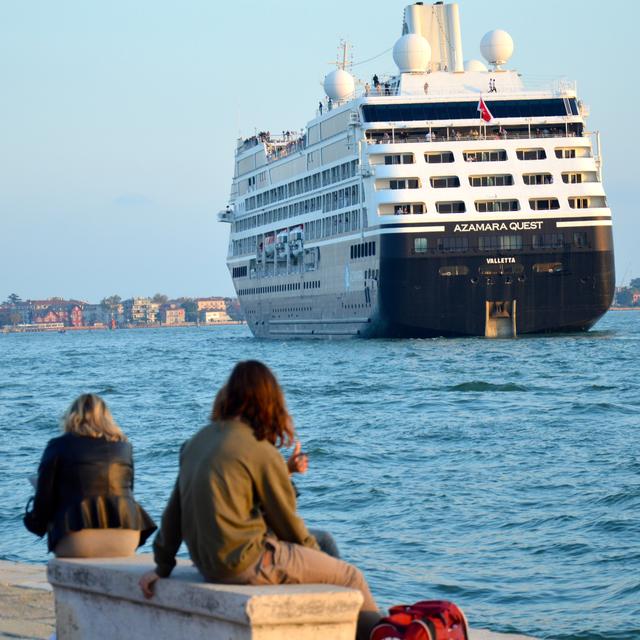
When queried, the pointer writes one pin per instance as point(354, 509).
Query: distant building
point(6, 315)
point(172, 314)
point(211, 304)
point(213, 317)
point(140, 311)
point(76, 316)
point(23, 310)
point(55, 310)
point(96, 315)
point(50, 316)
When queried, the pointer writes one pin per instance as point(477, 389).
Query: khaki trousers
point(98, 543)
point(287, 563)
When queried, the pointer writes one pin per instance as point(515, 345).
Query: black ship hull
point(565, 289)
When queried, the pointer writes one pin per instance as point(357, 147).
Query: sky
point(118, 121)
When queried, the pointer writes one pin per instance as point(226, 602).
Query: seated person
point(235, 507)
point(298, 462)
point(84, 494)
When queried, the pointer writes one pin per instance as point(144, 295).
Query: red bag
point(425, 620)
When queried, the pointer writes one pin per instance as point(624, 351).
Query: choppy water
point(503, 475)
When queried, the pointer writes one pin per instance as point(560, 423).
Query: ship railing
point(282, 148)
point(558, 87)
point(398, 136)
point(380, 91)
point(286, 139)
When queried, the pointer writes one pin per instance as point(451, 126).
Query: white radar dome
point(339, 84)
point(496, 47)
point(474, 65)
point(412, 53)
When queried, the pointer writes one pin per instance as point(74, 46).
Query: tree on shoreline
point(14, 298)
point(628, 296)
point(111, 302)
point(190, 311)
point(624, 297)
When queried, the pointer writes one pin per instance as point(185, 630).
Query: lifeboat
point(296, 241)
point(269, 245)
point(282, 242)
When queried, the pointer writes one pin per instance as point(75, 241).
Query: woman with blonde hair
point(84, 494)
point(233, 503)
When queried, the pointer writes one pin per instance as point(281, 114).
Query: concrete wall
point(100, 599)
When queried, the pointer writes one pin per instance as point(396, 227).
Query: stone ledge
point(100, 598)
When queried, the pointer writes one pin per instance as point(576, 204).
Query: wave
point(107, 390)
point(620, 497)
point(601, 387)
point(481, 385)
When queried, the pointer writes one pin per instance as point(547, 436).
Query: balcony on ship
point(276, 146)
point(225, 215)
point(396, 135)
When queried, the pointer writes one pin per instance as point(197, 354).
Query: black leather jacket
point(85, 483)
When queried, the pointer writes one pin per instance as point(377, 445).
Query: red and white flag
point(485, 114)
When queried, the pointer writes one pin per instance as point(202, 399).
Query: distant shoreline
point(180, 325)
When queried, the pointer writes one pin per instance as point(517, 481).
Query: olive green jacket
point(231, 488)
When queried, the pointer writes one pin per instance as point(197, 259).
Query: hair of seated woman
point(89, 416)
point(253, 394)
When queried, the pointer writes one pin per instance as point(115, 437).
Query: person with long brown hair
point(84, 494)
point(233, 503)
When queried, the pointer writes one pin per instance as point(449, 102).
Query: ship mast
point(347, 56)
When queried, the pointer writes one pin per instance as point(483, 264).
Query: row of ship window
point(279, 288)
point(273, 288)
point(501, 269)
point(362, 250)
point(447, 271)
point(494, 180)
point(510, 242)
point(495, 206)
point(339, 199)
point(298, 187)
point(328, 227)
point(468, 110)
point(332, 225)
point(485, 155)
point(239, 272)
point(290, 309)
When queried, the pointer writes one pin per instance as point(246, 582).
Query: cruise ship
point(451, 198)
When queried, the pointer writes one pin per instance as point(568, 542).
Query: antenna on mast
point(345, 50)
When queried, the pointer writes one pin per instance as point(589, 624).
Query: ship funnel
point(440, 25)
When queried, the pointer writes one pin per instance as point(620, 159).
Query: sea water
point(501, 474)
